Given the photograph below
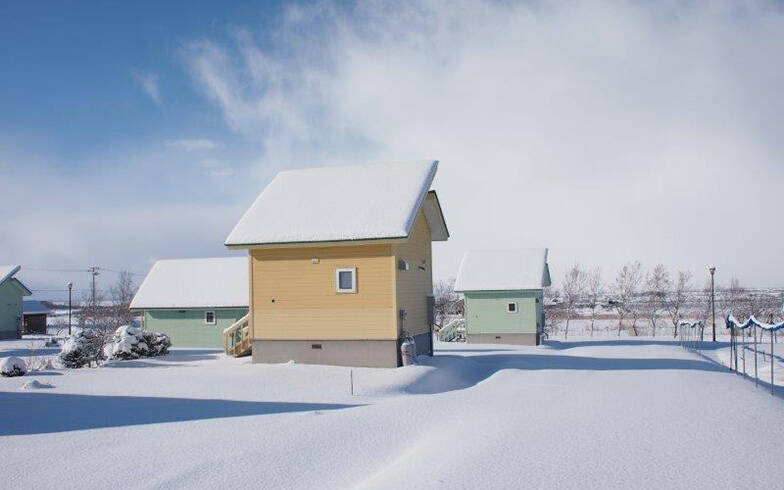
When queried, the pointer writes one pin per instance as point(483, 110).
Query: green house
point(503, 295)
point(11, 293)
point(193, 300)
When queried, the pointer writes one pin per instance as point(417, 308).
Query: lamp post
point(712, 270)
point(70, 287)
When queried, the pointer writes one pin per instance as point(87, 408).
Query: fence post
point(771, 362)
point(736, 352)
point(756, 376)
point(743, 350)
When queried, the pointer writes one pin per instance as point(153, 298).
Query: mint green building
point(12, 292)
point(193, 300)
point(503, 292)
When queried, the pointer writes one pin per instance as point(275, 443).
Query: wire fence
point(752, 347)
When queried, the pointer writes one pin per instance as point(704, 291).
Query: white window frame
point(515, 307)
point(214, 317)
point(353, 271)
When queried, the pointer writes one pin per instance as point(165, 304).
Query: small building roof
point(328, 204)
point(7, 273)
point(194, 283)
point(503, 270)
point(34, 307)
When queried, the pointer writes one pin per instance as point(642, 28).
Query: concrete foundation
point(505, 338)
point(358, 353)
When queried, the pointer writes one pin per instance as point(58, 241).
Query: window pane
point(512, 307)
point(344, 280)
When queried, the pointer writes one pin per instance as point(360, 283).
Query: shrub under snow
point(133, 343)
point(81, 349)
point(13, 366)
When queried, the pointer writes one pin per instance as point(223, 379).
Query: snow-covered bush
point(82, 349)
point(13, 366)
point(132, 343)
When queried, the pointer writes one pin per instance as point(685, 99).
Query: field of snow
point(588, 413)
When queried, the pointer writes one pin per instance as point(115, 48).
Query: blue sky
point(607, 130)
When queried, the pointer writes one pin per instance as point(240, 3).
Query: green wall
point(186, 327)
point(486, 312)
point(10, 309)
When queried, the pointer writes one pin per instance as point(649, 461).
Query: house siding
point(295, 299)
point(413, 286)
point(186, 326)
point(10, 310)
point(486, 313)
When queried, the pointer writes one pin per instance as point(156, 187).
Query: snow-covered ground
point(630, 413)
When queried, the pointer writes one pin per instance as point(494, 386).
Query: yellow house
point(341, 264)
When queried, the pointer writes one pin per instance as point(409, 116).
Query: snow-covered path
point(608, 413)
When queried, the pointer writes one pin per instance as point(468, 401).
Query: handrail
point(236, 338)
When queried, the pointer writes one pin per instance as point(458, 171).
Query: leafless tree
point(657, 283)
point(572, 288)
point(445, 300)
point(121, 295)
point(627, 285)
point(593, 293)
point(553, 310)
point(676, 299)
point(730, 297)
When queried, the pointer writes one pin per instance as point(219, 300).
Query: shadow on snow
point(40, 413)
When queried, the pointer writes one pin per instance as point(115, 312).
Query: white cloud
point(149, 83)
point(606, 130)
point(197, 144)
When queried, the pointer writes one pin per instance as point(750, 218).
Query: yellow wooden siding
point(306, 305)
point(414, 285)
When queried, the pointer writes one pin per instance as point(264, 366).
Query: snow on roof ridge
point(503, 269)
point(315, 204)
point(8, 271)
point(217, 282)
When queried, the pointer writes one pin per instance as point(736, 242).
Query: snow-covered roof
point(338, 203)
point(195, 283)
point(503, 270)
point(7, 272)
point(33, 307)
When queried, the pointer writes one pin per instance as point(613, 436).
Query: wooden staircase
point(237, 340)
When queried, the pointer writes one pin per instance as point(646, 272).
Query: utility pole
point(712, 270)
point(70, 287)
point(93, 272)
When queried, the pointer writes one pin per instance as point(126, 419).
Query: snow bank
point(35, 385)
point(13, 366)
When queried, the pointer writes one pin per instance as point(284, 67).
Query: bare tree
point(657, 283)
point(676, 299)
point(730, 297)
point(573, 287)
point(445, 300)
point(627, 285)
point(121, 295)
point(553, 310)
point(593, 291)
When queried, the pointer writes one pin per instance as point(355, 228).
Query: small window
point(209, 318)
point(346, 280)
point(511, 307)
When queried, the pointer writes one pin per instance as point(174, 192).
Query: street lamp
point(70, 287)
point(712, 270)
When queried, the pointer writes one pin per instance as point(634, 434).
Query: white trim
point(214, 318)
point(353, 271)
point(510, 303)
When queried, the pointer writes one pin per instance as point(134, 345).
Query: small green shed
point(193, 300)
point(503, 292)
point(11, 293)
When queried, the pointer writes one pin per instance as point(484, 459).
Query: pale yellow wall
point(414, 285)
point(306, 305)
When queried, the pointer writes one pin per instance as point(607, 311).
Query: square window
point(209, 318)
point(346, 280)
point(511, 307)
